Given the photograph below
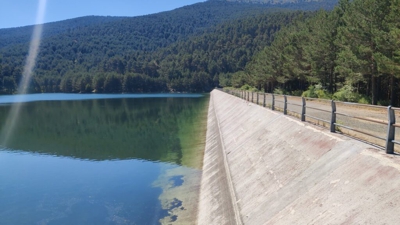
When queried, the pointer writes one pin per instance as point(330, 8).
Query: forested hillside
point(199, 63)
point(351, 53)
point(10, 36)
point(299, 4)
point(188, 49)
point(193, 65)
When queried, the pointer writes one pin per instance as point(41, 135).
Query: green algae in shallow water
point(66, 157)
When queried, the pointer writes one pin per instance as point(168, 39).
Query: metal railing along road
point(280, 102)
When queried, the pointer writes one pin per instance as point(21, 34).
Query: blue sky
point(16, 13)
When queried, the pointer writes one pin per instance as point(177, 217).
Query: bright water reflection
point(105, 129)
point(101, 161)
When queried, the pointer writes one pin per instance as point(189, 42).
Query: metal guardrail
point(333, 124)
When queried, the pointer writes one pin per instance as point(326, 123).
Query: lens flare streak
point(27, 73)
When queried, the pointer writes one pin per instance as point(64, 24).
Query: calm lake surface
point(102, 159)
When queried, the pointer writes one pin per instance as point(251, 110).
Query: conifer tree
point(358, 39)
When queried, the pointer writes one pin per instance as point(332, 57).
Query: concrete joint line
point(238, 218)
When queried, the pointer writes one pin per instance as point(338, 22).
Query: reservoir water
point(102, 159)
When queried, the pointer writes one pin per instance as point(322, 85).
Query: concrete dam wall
point(261, 167)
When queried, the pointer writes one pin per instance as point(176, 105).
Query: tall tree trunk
point(335, 84)
point(272, 87)
point(331, 81)
point(373, 90)
point(392, 90)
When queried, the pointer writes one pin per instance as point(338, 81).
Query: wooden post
point(264, 100)
point(257, 98)
point(273, 102)
point(303, 109)
point(333, 117)
point(391, 131)
point(285, 105)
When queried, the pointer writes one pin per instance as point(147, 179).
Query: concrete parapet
point(283, 171)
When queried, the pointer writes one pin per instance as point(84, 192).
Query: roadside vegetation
point(351, 53)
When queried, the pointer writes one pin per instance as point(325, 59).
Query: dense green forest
point(185, 50)
point(10, 36)
point(351, 53)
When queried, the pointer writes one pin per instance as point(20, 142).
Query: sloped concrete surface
point(216, 193)
point(283, 171)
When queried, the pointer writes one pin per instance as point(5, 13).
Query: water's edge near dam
point(261, 167)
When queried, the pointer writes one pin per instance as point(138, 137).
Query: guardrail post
point(252, 97)
point(285, 105)
point(333, 117)
point(303, 109)
point(391, 131)
point(248, 96)
point(273, 102)
point(258, 96)
point(264, 100)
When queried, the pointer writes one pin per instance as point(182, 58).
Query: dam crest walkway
point(261, 167)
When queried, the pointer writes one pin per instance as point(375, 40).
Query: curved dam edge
point(261, 167)
point(216, 193)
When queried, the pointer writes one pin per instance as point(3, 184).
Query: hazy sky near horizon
point(16, 13)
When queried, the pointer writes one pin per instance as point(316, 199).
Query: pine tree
point(388, 44)
point(358, 42)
